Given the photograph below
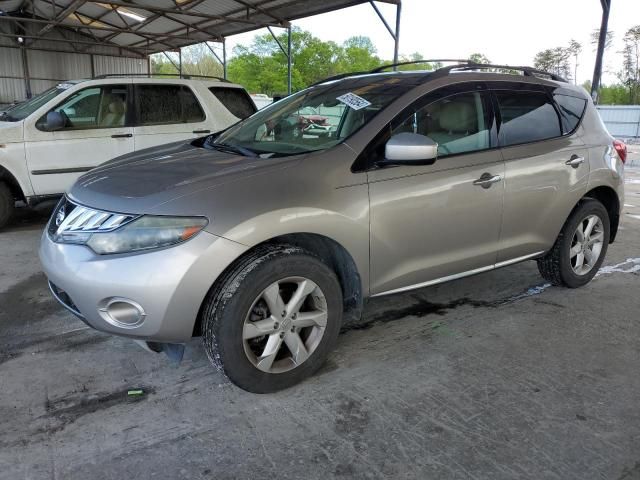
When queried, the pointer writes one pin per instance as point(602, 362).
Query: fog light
point(121, 312)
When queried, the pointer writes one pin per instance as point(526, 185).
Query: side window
point(95, 107)
point(458, 123)
point(236, 100)
point(167, 104)
point(526, 117)
point(571, 110)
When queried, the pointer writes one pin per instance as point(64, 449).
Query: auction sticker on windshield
point(354, 101)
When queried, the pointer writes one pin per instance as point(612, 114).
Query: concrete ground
point(498, 376)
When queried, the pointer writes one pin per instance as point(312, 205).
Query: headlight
point(108, 232)
point(147, 232)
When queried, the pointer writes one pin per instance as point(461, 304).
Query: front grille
point(69, 217)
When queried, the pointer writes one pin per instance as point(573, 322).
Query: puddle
point(630, 265)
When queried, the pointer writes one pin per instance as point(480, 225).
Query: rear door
point(429, 223)
point(97, 129)
point(167, 113)
point(546, 166)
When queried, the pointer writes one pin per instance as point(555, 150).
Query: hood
point(11, 132)
point(138, 182)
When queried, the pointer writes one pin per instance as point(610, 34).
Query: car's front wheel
point(580, 247)
point(272, 320)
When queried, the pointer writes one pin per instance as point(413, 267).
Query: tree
point(574, 49)
point(554, 60)
point(358, 54)
point(262, 65)
point(479, 58)
point(595, 38)
point(630, 73)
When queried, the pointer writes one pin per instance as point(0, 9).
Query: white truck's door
point(97, 129)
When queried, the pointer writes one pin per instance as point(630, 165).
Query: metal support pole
point(25, 71)
point(397, 36)
point(602, 39)
point(224, 58)
point(289, 62)
point(180, 61)
point(171, 61)
point(93, 66)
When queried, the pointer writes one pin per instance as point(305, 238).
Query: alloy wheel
point(285, 324)
point(586, 244)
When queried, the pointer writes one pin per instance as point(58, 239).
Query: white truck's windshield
point(24, 109)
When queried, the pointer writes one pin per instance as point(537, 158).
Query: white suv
point(47, 142)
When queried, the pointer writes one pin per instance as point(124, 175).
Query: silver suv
point(267, 237)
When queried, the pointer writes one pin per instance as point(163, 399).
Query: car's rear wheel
point(7, 203)
point(273, 319)
point(580, 247)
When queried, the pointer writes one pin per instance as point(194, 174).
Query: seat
point(457, 120)
point(115, 115)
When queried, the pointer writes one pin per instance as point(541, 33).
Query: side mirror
point(410, 149)
point(55, 121)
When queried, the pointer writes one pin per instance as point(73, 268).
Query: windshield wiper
point(225, 147)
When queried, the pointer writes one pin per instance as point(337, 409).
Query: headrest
point(457, 116)
point(116, 106)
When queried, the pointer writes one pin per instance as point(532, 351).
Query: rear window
point(527, 117)
point(571, 110)
point(236, 100)
point(166, 104)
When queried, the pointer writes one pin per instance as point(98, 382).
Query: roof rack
point(391, 65)
point(153, 75)
point(443, 71)
point(416, 62)
point(527, 71)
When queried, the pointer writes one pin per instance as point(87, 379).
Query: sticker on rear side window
point(354, 101)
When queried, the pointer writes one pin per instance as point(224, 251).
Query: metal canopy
point(143, 27)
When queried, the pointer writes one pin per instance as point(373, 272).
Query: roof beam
point(71, 8)
point(138, 50)
point(282, 21)
point(83, 26)
point(190, 13)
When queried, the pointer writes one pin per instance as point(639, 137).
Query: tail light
point(621, 148)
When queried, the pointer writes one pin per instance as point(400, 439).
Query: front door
point(96, 131)
point(440, 221)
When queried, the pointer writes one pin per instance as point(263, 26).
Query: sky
point(506, 31)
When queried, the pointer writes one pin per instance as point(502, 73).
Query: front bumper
point(167, 285)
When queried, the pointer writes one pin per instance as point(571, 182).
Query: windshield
point(315, 119)
point(24, 109)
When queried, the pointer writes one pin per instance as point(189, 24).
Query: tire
point(237, 302)
point(7, 204)
point(560, 266)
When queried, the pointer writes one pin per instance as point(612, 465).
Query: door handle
point(575, 161)
point(486, 180)
point(201, 131)
point(122, 135)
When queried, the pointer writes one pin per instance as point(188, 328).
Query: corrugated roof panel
point(134, 13)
